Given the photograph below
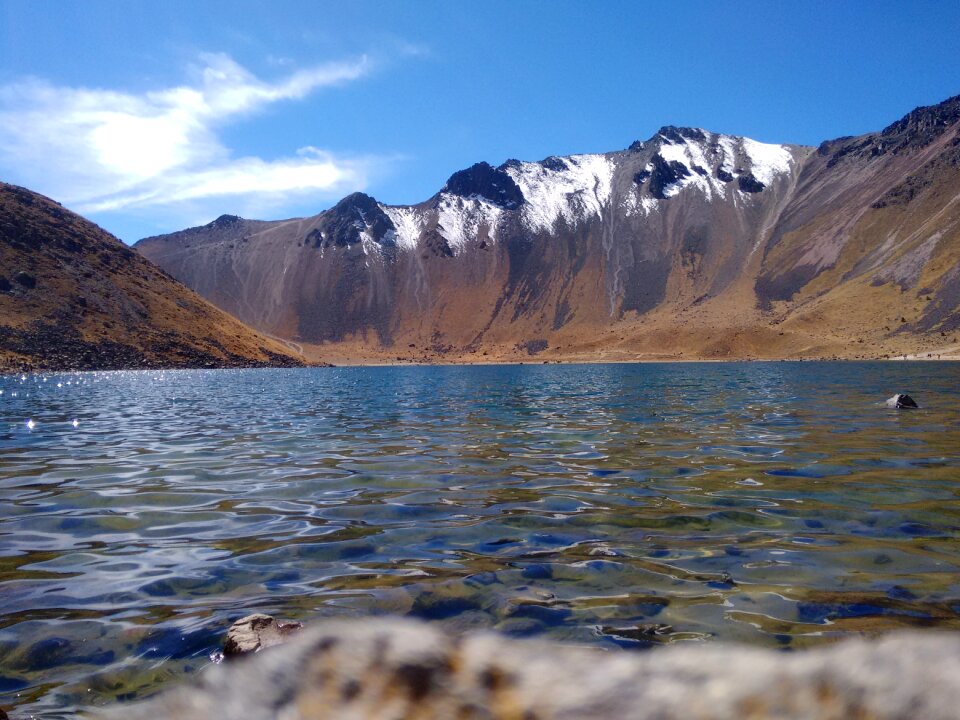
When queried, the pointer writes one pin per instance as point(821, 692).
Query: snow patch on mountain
point(634, 204)
point(674, 188)
point(690, 154)
point(369, 246)
point(573, 188)
point(727, 146)
point(408, 223)
point(459, 219)
point(767, 160)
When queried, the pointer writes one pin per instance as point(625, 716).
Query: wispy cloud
point(107, 151)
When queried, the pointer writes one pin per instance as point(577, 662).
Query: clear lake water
point(620, 506)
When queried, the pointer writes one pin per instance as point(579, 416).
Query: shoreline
point(362, 363)
point(698, 361)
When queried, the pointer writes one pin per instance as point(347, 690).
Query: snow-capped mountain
point(732, 231)
point(563, 193)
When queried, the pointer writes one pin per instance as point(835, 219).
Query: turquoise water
point(625, 506)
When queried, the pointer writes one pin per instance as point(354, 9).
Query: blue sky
point(151, 116)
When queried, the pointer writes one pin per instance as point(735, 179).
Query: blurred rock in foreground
point(403, 669)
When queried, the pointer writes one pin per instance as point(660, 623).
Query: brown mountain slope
point(871, 247)
point(689, 244)
point(74, 297)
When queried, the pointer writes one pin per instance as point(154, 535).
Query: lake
point(623, 506)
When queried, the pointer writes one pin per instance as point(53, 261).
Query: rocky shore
point(48, 347)
point(393, 669)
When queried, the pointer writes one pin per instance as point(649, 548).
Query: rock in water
point(901, 400)
point(256, 632)
point(382, 669)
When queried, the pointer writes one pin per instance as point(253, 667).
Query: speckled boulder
point(392, 669)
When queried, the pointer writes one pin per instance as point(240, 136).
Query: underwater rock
point(647, 632)
point(393, 668)
point(901, 400)
point(255, 632)
point(441, 605)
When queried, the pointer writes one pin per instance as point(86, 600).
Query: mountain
point(74, 297)
point(688, 244)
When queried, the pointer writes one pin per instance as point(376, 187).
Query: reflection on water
point(778, 504)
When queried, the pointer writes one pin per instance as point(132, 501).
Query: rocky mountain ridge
point(73, 297)
point(686, 235)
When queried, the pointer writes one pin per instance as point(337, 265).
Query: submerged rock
point(901, 400)
point(647, 632)
point(381, 668)
point(256, 632)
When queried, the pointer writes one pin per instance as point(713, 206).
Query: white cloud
point(105, 151)
point(311, 170)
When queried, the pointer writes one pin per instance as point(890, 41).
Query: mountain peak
point(354, 218)
point(226, 221)
point(680, 135)
point(918, 128)
point(921, 125)
point(486, 181)
point(357, 201)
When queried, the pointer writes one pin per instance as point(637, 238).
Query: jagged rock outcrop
point(687, 236)
point(355, 219)
point(482, 180)
point(380, 669)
